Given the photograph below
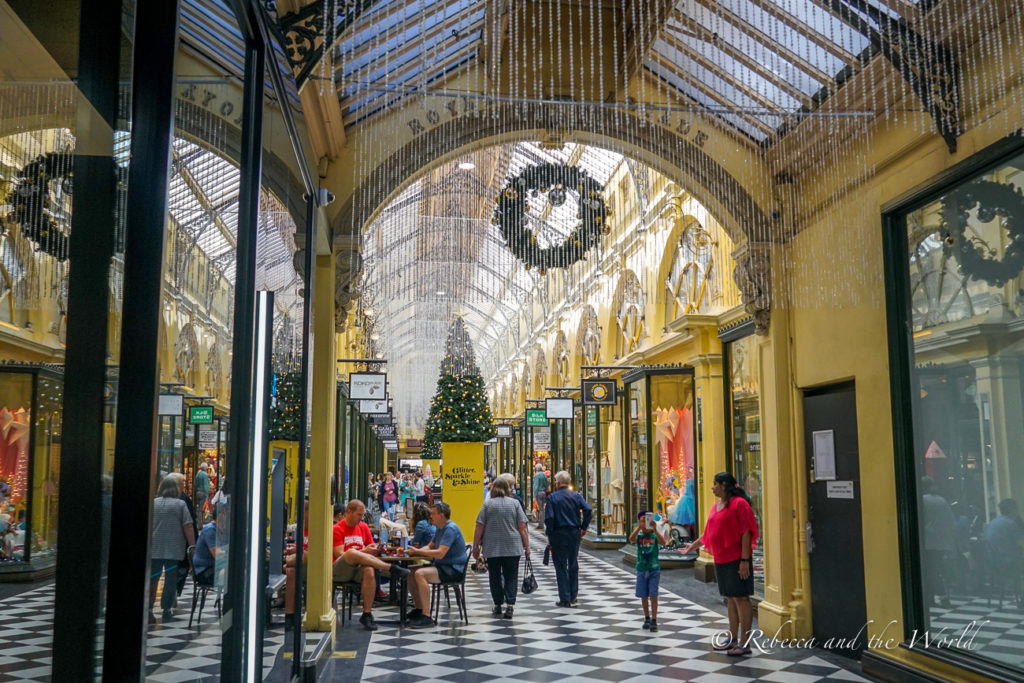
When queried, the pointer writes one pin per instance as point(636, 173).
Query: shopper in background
point(540, 493)
point(389, 493)
point(173, 532)
point(502, 538)
point(202, 489)
point(567, 517)
point(730, 534)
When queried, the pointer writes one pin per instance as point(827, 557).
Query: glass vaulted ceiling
point(433, 253)
point(754, 63)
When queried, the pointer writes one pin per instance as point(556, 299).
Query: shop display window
point(745, 434)
point(31, 400)
point(662, 447)
point(605, 487)
point(964, 308)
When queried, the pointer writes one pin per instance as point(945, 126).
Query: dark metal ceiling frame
point(299, 32)
point(928, 67)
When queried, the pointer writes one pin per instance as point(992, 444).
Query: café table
point(403, 586)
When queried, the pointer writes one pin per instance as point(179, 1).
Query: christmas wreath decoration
point(35, 212)
point(557, 180)
point(976, 258)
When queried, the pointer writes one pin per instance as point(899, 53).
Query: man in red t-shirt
point(356, 556)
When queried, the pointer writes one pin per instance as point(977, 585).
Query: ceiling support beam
point(644, 21)
point(929, 68)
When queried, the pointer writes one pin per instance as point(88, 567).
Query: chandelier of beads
point(523, 231)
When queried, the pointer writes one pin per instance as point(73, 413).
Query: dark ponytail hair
point(732, 489)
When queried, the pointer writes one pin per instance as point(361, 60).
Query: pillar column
point(711, 449)
point(319, 607)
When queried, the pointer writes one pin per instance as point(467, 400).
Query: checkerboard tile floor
point(601, 640)
point(998, 632)
point(173, 651)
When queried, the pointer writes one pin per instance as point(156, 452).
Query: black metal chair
point(459, 587)
point(350, 591)
point(199, 591)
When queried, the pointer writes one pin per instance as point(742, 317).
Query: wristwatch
point(745, 559)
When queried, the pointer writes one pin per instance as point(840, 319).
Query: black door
point(835, 541)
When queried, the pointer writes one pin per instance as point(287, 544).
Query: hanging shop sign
point(367, 385)
point(385, 432)
point(200, 415)
point(558, 408)
point(541, 441)
point(391, 445)
point(373, 406)
point(504, 431)
point(207, 439)
point(536, 417)
point(380, 418)
point(414, 443)
point(599, 392)
point(557, 182)
point(170, 404)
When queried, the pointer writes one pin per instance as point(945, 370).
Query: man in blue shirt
point(1004, 536)
point(448, 551)
point(204, 557)
point(566, 520)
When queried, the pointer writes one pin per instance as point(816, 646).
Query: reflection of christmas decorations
point(286, 415)
point(459, 410)
point(976, 258)
point(555, 179)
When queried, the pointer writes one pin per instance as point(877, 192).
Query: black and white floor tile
point(982, 625)
point(601, 640)
point(174, 652)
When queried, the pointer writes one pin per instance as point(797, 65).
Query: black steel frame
point(79, 566)
point(155, 48)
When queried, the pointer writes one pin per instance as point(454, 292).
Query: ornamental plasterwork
point(540, 369)
point(588, 338)
point(690, 283)
point(186, 355)
point(562, 364)
point(214, 370)
point(629, 313)
point(753, 276)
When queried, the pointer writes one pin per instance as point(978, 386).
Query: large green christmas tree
point(459, 410)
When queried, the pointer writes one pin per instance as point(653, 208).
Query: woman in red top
point(730, 535)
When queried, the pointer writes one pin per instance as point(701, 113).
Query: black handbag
point(529, 581)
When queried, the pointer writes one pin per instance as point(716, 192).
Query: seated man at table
point(355, 558)
point(204, 557)
point(448, 552)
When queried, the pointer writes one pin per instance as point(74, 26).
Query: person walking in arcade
point(730, 534)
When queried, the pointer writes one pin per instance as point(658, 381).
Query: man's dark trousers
point(565, 550)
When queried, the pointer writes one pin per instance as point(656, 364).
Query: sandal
point(738, 651)
point(727, 646)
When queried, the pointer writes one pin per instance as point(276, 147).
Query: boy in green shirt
point(648, 572)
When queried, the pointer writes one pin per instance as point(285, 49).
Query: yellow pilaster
point(711, 455)
point(784, 609)
point(319, 610)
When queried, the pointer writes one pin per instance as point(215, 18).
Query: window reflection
point(967, 318)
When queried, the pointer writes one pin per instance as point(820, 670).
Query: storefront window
point(638, 420)
point(966, 315)
point(31, 397)
point(745, 420)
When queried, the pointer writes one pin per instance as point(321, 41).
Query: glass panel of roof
point(699, 97)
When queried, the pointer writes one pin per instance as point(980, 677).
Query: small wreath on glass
point(559, 182)
point(993, 200)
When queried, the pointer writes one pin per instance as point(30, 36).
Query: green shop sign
point(536, 418)
point(200, 415)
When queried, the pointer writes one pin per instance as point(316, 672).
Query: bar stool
point(619, 516)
